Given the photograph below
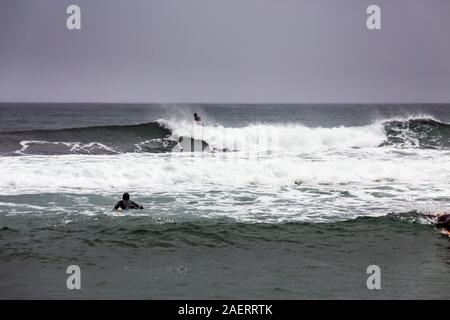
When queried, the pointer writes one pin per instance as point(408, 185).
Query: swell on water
point(145, 137)
point(168, 136)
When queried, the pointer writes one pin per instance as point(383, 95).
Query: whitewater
point(259, 172)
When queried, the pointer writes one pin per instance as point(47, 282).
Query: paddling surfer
point(126, 203)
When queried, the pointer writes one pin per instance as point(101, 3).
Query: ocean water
point(259, 201)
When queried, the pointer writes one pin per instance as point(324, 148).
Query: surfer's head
point(126, 196)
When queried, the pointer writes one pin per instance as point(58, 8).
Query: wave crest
point(166, 136)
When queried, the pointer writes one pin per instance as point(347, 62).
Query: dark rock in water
point(189, 144)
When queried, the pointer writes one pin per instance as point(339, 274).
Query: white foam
point(282, 137)
point(87, 173)
point(74, 147)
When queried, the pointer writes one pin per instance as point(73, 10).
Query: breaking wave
point(162, 136)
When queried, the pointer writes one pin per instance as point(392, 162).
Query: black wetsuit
point(443, 221)
point(130, 205)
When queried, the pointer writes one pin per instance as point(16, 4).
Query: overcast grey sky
point(225, 51)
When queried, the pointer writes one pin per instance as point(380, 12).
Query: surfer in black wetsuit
point(197, 118)
point(443, 221)
point(440, 220)
point(126, 203)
